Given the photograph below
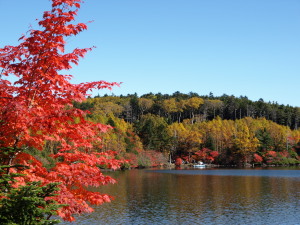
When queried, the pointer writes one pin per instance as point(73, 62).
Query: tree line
point(178, 107)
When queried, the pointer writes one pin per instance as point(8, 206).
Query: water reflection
point(185, 197)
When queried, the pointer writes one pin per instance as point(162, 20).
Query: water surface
point(201, 196)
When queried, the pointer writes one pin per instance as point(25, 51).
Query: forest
point(225, 130)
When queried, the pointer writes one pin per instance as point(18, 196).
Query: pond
point(201, 196)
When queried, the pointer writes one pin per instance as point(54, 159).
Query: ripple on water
point(168, 197)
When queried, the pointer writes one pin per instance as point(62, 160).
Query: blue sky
point(249, 48)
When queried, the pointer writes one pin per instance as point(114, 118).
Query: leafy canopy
point(37, 108)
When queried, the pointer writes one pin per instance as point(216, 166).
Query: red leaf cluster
point(257, 158)
point(75, 173)
point(37, 107)
point(271, 154)
point(178, 161)
point(206, 155)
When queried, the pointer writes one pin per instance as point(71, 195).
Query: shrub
point(257, 158)
point(178, 161)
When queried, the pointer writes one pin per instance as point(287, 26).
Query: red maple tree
point(37, 108)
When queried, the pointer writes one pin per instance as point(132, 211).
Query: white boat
point(199, 165)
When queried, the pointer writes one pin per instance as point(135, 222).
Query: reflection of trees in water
point(144, 197)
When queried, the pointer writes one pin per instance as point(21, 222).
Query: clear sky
point(235, 47)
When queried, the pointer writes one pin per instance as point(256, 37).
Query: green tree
point(152, 130)
point(27, 204)
point(265, 140)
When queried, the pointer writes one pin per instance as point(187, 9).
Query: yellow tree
point(187, 138)
point(107, 108)
point(145, 104)
point(245, 142)
point(180, 107)
point(169, 106)
point(105, 105)
point(193, 104)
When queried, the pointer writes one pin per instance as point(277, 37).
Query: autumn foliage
point(155, 127)
point(37, 108)
point(206, 155)
point(257, 158)
point(178, 161)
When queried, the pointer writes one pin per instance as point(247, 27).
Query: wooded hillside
point(179, 106)
point(225, 129)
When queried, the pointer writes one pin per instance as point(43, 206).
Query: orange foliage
point(38, 107)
